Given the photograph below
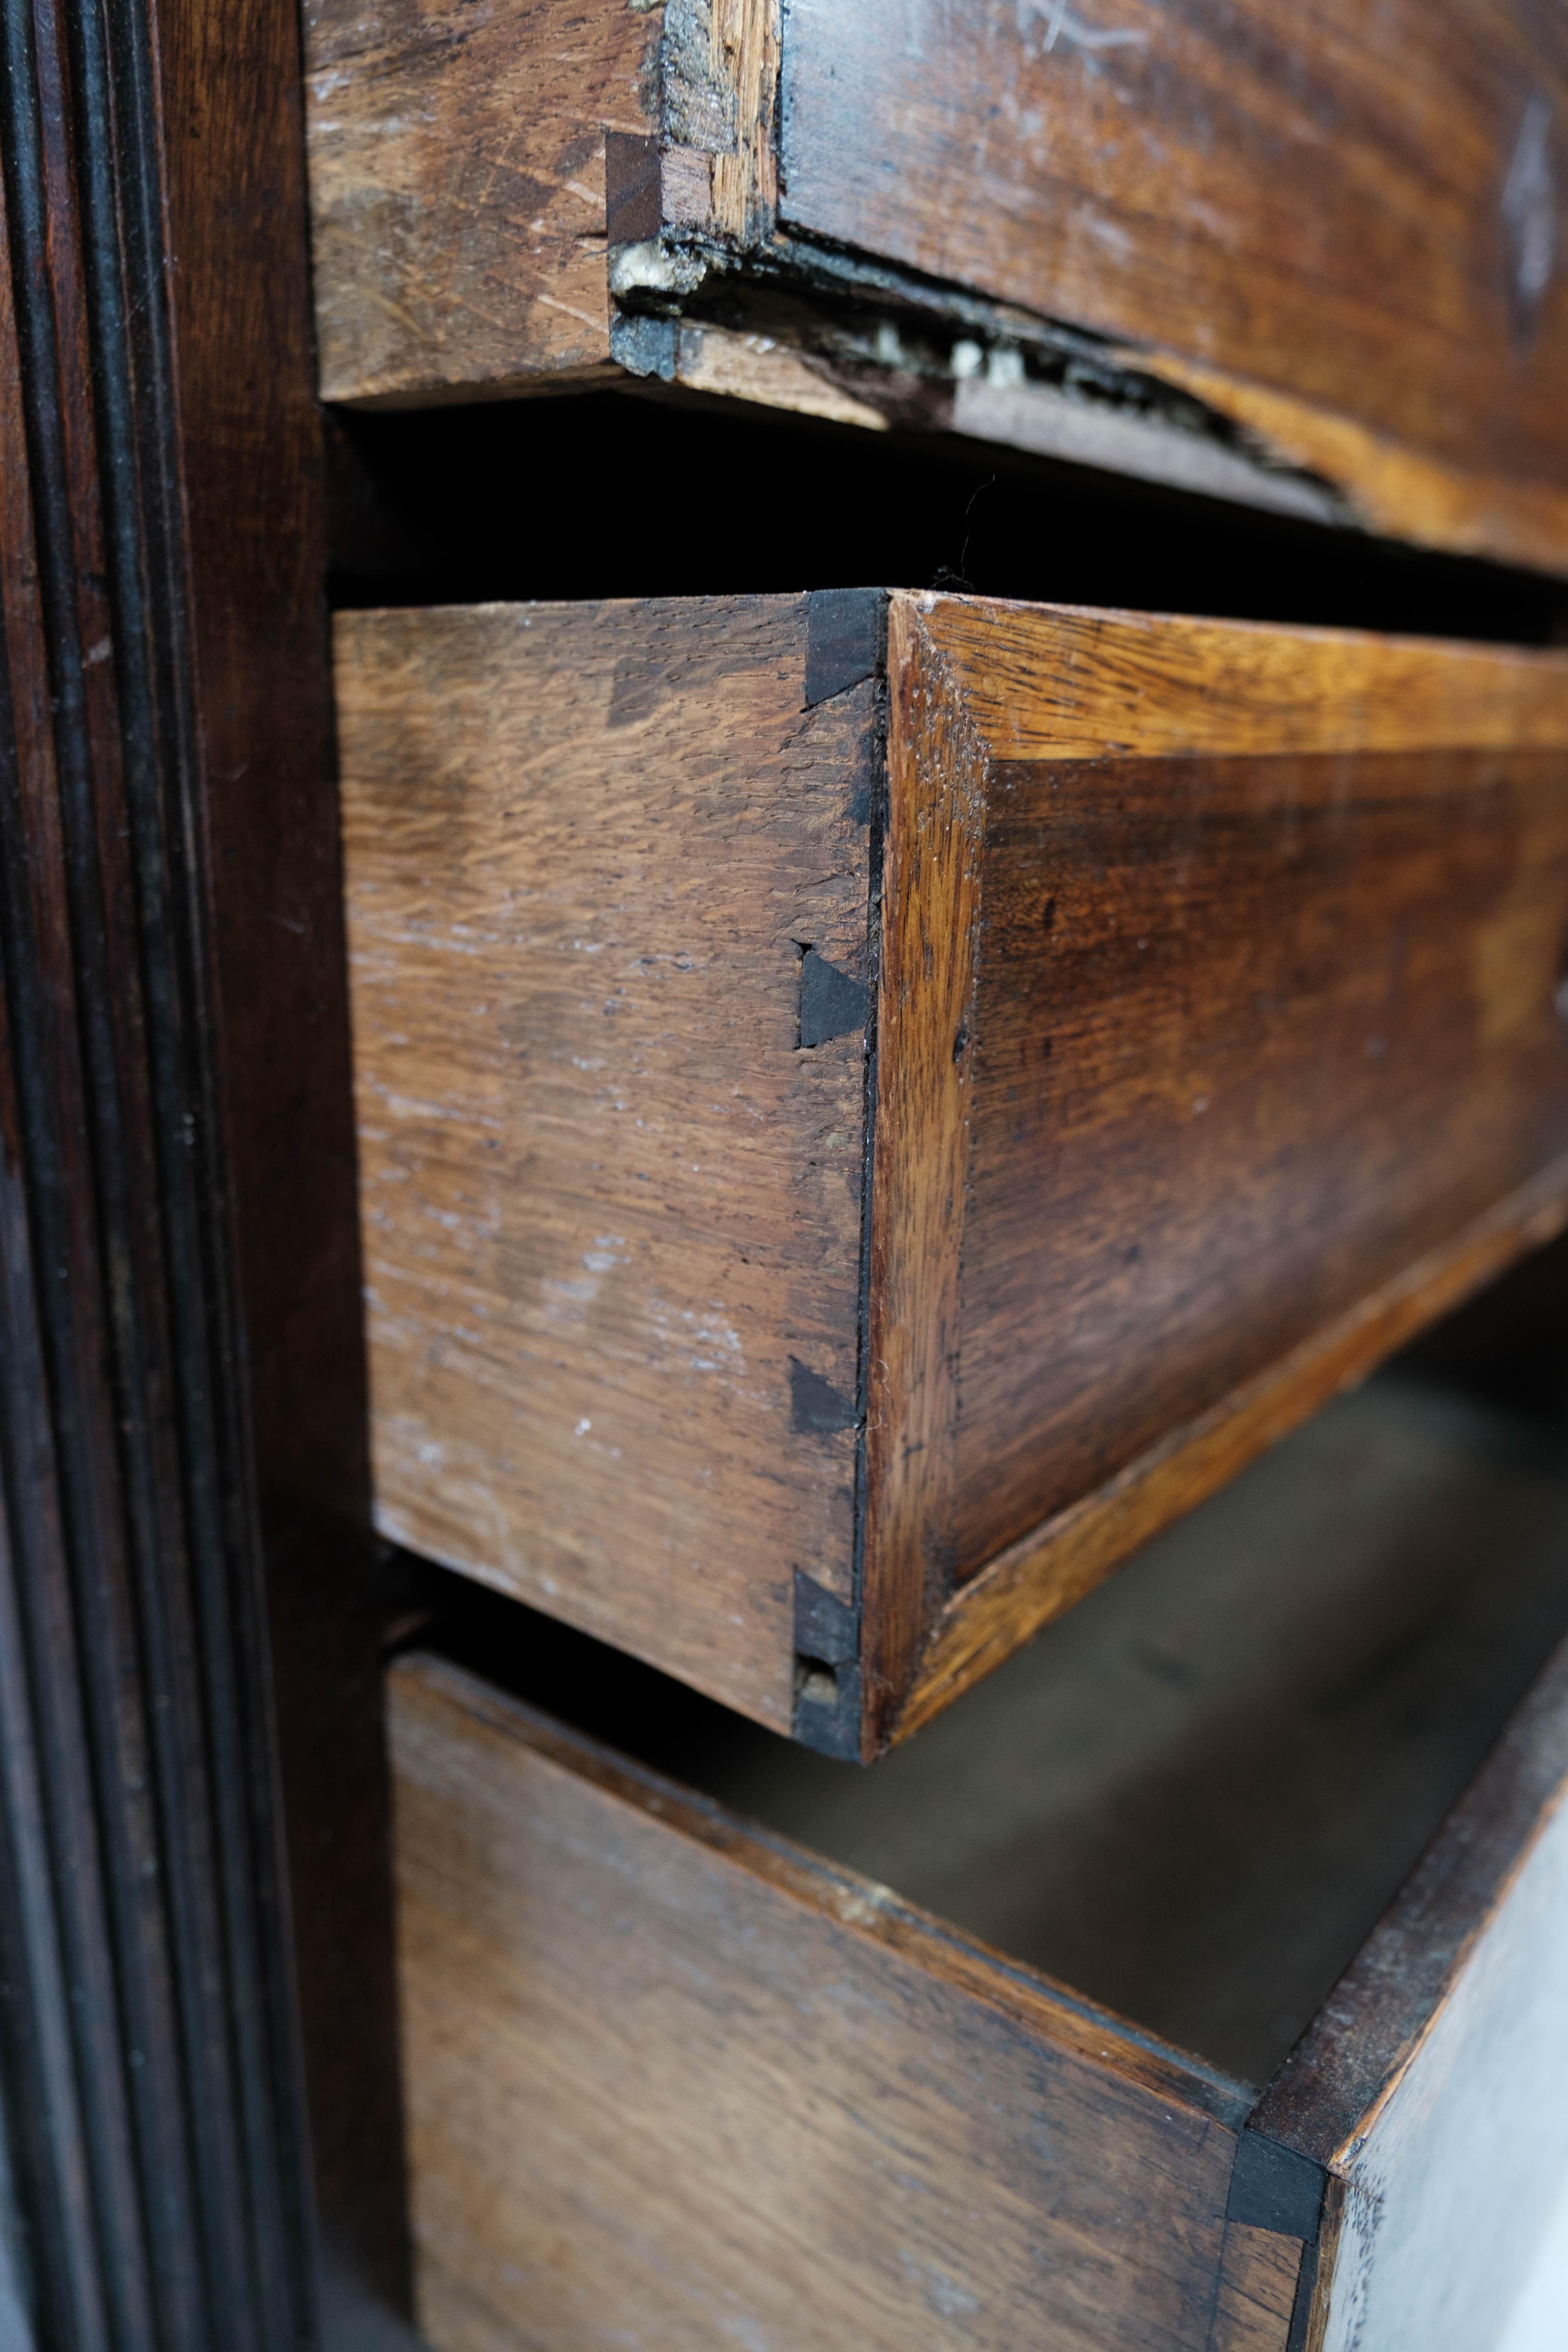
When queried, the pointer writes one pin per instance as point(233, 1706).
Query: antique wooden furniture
point(674, 2076)
point(870, 1106)
point(1311, 264)
point(1287, 910)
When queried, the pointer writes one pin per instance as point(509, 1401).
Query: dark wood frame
point(182, 1402)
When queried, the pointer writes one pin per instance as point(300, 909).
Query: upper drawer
point(868, 1107)
point(1308, 259)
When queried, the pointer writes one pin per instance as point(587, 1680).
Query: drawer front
point(1215, 208)
point(1263, 1064)
point(867, 1110)
point(671, 2078)
point(1237, 194)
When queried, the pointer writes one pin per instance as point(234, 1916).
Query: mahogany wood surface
point(182, 1402)
point(675, 2080)
point(260, 647)
point(1214, 1049)
point(1314, 264)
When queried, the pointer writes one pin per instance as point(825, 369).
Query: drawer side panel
point(457, 189)
point(611, 1202)
point(656, 2098)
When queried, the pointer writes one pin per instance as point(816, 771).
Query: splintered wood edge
point(747, 38)
point(429, 1685)
point(1389, 486)
point(1054, 1566)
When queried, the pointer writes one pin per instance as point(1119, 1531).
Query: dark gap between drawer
point(609, 494)
point(1191, 1797)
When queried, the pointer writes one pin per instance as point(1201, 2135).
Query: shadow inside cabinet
point(618, 494)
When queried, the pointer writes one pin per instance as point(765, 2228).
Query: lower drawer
point(676, 2080)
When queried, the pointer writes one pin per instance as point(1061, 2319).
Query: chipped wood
point(720, 96)
point(1135, 296)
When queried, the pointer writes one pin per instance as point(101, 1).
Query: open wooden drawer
point(868, 1107)
point(681, 2081)
point(1298, 259)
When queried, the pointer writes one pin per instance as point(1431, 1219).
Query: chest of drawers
point(865, 1111)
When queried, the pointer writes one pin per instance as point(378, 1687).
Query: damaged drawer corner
point(883, 220)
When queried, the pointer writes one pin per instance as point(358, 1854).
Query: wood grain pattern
point(1359, 212)
point(742, 72)
point(253, 495)
point(1397, 491)
point(1434, 2081)
point(1341, 241)
point(672, 2078)
point(1216, 1052)
point(612, 1207)
point(457, 189)
point(1065, 682)
point(181, 1353)
point(1258, 2271)
point(1053, 1566)
point(925, 1057)
point(1254, 915)
point(671, 2071)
